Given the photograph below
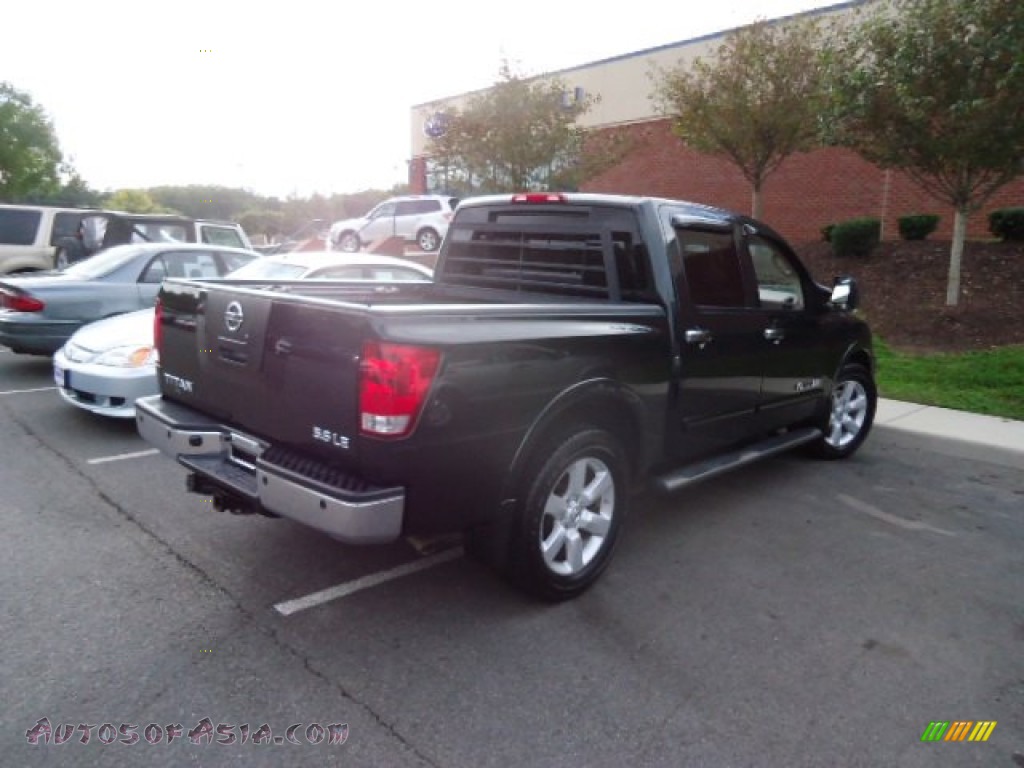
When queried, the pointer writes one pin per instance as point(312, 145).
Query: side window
point(155, 272)
point(232, 261)
point(65, 224)
point(222, 236)
point(191, 264)
point(711, 266)
point(778, 282)
point(631, 262)
point(382, 210)
point(341, 273)
point(417, 207)
point(18, 226)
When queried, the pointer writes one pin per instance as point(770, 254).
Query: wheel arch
point(597, 403)
point(858, 355)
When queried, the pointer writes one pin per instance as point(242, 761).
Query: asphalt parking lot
point(792, 614)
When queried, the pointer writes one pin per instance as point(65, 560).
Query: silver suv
point(421, 219)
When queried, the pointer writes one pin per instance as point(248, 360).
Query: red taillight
point(539, 197)
point(158, 327)
point(20, 302)
point(393, 384)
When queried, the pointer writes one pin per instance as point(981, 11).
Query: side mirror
point(844, 293)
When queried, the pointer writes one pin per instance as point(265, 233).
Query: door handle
point(774, 334)
point(700, 336)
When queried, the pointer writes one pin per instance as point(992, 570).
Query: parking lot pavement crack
point(345, 694)
point(195, 569)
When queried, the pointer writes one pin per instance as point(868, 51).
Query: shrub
point(856, 237)
point(917, 226)
point(1007, 223)
point(826, 232)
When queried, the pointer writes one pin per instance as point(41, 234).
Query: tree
point(521, 134)
point(133, 201)
point(76, 192)
point(30, 155)
point(756, 102)
point(206, 201)
point(261, 221)
point(933, 88)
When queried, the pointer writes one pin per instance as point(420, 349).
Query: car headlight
point(132, 356)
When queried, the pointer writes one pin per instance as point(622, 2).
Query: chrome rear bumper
point(236, 463)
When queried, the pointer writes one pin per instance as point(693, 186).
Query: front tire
point(571, 511)
point(428, 240)
point(851, 413)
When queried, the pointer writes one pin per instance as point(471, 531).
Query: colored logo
point(436, 125)
point(958, 730)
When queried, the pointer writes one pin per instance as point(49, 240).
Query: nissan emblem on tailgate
point(233, 316)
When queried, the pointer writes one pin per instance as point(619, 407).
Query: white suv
point(29, 235)
point(422, 219)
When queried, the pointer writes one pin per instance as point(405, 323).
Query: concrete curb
point(956, 433)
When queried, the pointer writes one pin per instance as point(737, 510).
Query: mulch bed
point(903, 293)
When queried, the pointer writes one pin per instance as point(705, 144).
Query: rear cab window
point(570, 250)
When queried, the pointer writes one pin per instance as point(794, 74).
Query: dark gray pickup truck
point(571, 348)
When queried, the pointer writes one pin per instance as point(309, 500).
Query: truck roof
point(598, 198)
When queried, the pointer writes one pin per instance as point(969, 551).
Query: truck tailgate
point(287, 370)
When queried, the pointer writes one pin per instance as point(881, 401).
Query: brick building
point(807, 192)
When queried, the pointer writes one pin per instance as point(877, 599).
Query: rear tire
point(348, 242)
point(851, 413)
point(571, 509)
point(68, 252)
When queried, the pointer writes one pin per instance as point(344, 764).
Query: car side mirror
point(844, 293)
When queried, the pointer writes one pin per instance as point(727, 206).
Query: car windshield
point(265, 269)
point(102, 263)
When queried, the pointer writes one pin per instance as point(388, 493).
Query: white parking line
point(289, 607)
point(20, 391)
point(123, 456)
point(885, 517)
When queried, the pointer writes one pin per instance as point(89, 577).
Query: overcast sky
point(296, 97)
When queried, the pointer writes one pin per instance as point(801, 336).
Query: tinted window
point(778, 282)
point(562, 249)
point(712, 268)
point(418, 207)
point(631, 263)
point(65, 224)
point(19, 226)
point(222, 236)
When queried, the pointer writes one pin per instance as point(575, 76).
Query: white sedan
point(106, 365)
point(333, 265)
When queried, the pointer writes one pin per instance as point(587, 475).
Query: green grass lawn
point(989, 382)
